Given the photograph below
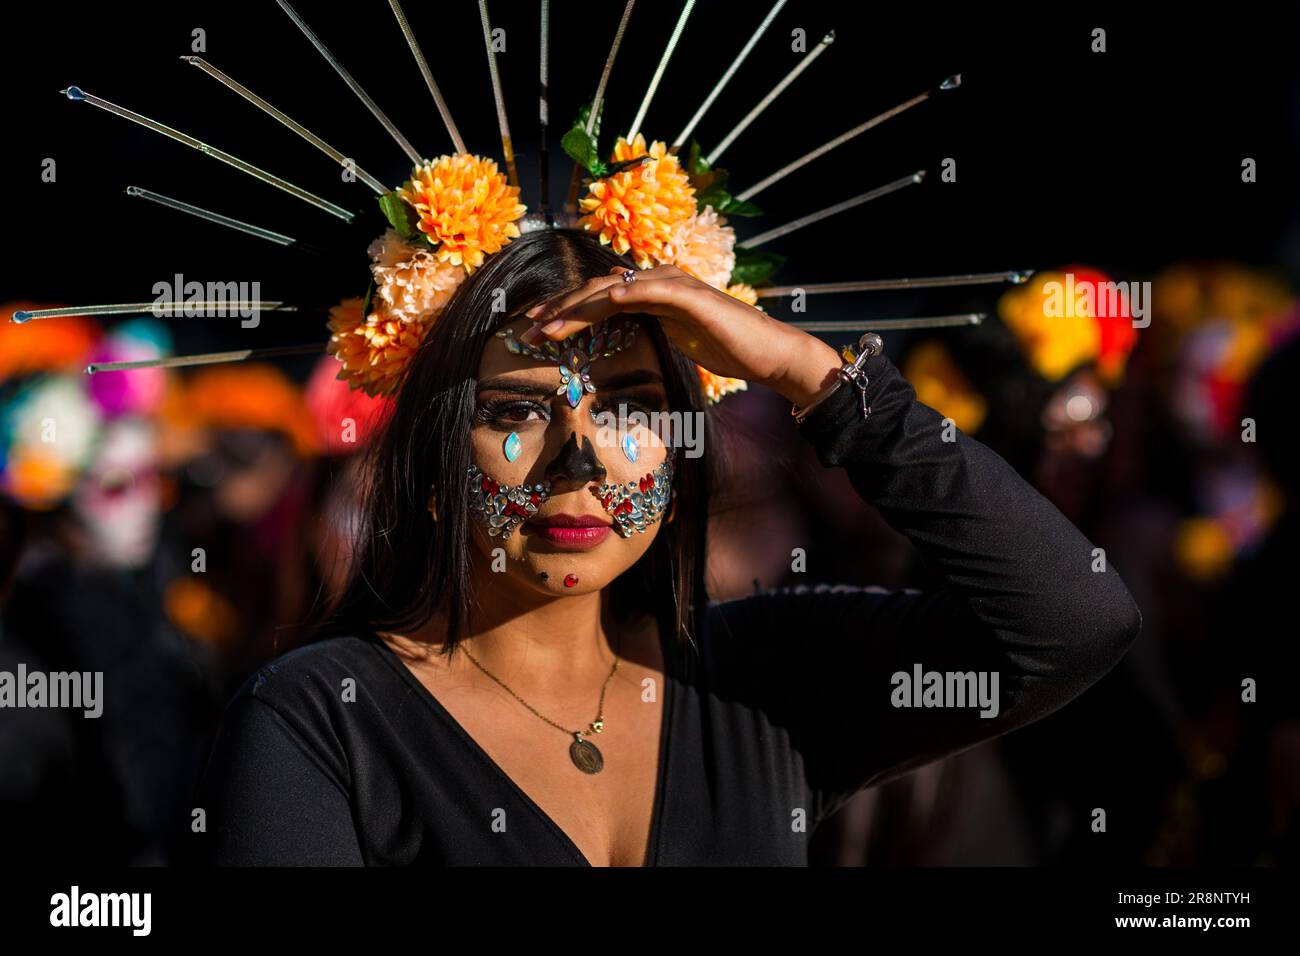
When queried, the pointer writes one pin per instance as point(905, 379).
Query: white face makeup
point(568, 479)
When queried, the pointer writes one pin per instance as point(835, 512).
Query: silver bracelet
point(851, 371)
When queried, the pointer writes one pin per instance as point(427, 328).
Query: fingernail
point(553, 326)
point(531, 333)
point(531, 313)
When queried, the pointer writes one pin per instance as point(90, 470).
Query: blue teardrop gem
point(631, 448)
point(513, 446)
point(574, 391)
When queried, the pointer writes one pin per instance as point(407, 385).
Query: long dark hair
point(408, 566)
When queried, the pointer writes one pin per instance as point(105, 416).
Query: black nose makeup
point(574, 464)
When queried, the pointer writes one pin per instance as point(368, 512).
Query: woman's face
point(577, 532)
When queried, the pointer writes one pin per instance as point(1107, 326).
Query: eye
point(646, 405)
point(510, 412)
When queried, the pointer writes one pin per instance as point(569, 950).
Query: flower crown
point(458, 209)
point(657, 204)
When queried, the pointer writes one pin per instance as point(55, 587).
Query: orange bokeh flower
point(44, 345)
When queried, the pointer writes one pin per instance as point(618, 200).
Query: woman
point(568, 569)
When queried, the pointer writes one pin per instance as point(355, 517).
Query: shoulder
point(309, 681)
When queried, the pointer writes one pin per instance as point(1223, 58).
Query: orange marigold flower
point(374, 349)
point(635, 210)
point(745, 293)
point(465, 207)
point(717, 387)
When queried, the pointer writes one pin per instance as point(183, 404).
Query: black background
point(1124, 160)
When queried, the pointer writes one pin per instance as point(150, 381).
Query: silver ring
point(629, 275)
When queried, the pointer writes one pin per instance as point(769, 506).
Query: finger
point(650, 296)
point(558, 306)
point(547, 309)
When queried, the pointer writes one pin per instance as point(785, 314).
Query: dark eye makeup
point(511, 412)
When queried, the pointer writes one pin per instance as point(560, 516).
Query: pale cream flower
point(704, 246)
point(412, 282)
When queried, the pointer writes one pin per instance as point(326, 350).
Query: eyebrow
point(627, 379)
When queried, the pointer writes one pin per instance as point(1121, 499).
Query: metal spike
point(507, 145)
point(659, 71)
point(766, 101)
point(894, 325)
point(156, 309)
point(205, 358)
point(297, 127)
point(839, 207)
point(77, 94)
point(726, 77)
point(543, 116)
point(353, 85)
point(277, 237)
point(877, 285)
point(575, 181)
point(414, 44)
point(843, 138)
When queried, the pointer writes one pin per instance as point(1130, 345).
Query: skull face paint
point(503, 508)
point(636, 505)
point(561, 505)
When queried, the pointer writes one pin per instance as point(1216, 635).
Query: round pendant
point(585, 756)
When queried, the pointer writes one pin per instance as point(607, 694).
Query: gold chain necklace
point(584, 754)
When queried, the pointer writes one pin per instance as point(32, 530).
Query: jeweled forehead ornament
point(636, 505)
point(575, 354)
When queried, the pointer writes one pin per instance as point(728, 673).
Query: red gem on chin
point(570, 580)
point(486, 483)
point(535, 498)
point(607, 499)
point(649, 481)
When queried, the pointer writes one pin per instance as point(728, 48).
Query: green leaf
point(400, 215)
point(754, 267)
point(695, 163)
point(735, 207)
point(585, 112)
point(365, 305)
point(582, 147)
point(715, 196)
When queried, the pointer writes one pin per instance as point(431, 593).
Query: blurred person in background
point(79, 469)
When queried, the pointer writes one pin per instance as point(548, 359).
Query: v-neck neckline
point(665, 732)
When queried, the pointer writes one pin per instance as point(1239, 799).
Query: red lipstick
point(571, 532)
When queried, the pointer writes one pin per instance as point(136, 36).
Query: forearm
point(1023, 569)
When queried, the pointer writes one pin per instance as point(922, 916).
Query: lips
point(570, 532)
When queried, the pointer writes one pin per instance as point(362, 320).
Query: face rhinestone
point(570, 580)
point(575, 354)
point(630, 448)
point(636, 505)
point(512, 447)
point(502, 508)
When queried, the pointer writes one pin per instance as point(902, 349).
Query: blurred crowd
point(175, 529)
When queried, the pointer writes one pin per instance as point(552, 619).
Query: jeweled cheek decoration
point(575, 354)
point(636, 505)
point(503, 508)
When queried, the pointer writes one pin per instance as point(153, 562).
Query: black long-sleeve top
point(790, 706)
